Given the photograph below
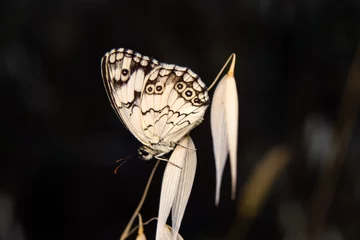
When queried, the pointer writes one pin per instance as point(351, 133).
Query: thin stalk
point(125, 234)
point(230, 73)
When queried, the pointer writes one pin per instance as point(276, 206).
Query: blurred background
point(298, 171)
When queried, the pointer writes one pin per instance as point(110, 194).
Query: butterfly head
point(146, 153)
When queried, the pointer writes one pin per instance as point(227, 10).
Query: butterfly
point(158, 103)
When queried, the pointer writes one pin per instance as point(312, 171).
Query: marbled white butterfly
point(159, 103)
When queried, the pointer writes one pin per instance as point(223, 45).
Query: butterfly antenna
point(231, 70)
point(121, 161)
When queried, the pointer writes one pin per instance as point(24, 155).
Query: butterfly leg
point(165, 160)
point(174, 143)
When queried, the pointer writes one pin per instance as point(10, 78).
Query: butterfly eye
point(188, 93)
point(180, 86)
point(150, 89)
point(124, 72)
point(196, 101)
point(144, 154)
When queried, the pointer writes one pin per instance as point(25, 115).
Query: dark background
point(61, 137)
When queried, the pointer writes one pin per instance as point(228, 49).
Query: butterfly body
point(159, 103)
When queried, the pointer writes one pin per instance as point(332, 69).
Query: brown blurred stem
point(343, 130)
point(257, 189)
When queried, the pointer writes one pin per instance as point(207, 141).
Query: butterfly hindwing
point(174, 102)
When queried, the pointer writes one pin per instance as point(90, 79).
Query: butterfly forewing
point(123, 75)
point(159, 103)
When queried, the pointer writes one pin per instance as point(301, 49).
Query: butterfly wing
point(173, 103)
point(123, 73)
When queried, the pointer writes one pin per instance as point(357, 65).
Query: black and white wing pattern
point(159, 103)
